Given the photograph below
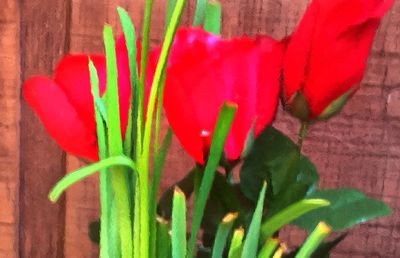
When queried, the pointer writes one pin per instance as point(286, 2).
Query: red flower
point(326, 55)
point(64, 103)
point(204, 71)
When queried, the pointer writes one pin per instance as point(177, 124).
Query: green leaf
point(111, 94)
point(312, 242)
point(236, 246)
point(179, 225)
point(222, 199)
point(222, 234)
point(130, 41)
point(199, 12)
point(170, 8)
point(276, 159)
point(84, 172)
point(163, 249)
point(212, 19)
point(220, 133)
point(159, 72)
point(287, 215)
point(268, 248)
point(322, 251)
point(144, 157)
point(118, 175)
point(155, 185)
point(250, 245)
point(186, 186)
point(348, 207)
point(108, 235)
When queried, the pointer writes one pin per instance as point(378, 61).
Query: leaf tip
point(324, 228)
point(230, 217)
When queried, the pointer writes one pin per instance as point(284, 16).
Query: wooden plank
point(44, 32)
point(9, 129)
point(82, 200)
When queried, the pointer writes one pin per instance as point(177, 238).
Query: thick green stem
point(120, 188)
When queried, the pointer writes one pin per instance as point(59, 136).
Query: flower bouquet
point(220, 97)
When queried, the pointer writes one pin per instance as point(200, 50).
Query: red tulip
point(64, 103)
point(204, 71)
point(326, 55)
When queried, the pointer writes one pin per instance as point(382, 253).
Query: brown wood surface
point(360, 148)
point(9, 128)
point(44, 30)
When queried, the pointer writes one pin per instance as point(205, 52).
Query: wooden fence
point(359, 148)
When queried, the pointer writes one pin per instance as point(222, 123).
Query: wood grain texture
point(44, 27)
point(359, 148)
point(9, 128)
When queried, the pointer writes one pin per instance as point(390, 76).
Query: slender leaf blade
point(314, 240)
point(222, 234)
point(108, 239)
point(130, 42)
point(236, 246)
point(84, 172)
point(223, 124)
point(155, 185)
point(170, 8)
point(163, 249)
point(287, 215)
point(268, 248)
point(199, 12)
point(112, 99)
point(212, 19)
point(252, 238)
point(178, 225)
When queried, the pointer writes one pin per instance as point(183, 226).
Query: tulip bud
point(297, 106)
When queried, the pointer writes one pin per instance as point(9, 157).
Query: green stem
point(314, 240)
point(158, 115)
point(158, 164)
point(120, 187)
point(136, 221)
point(144, 157)
point(106, 245)
point(199, 12)
point(142, 77)
point(302, 134)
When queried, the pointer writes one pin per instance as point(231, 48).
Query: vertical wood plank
point(9, 129)
point(44, 31)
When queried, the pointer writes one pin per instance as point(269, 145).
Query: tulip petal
point(269, 73)
point(60, 118)
point(203, 72)
point(338, 58)
point(72, 74)
point(327, 54)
